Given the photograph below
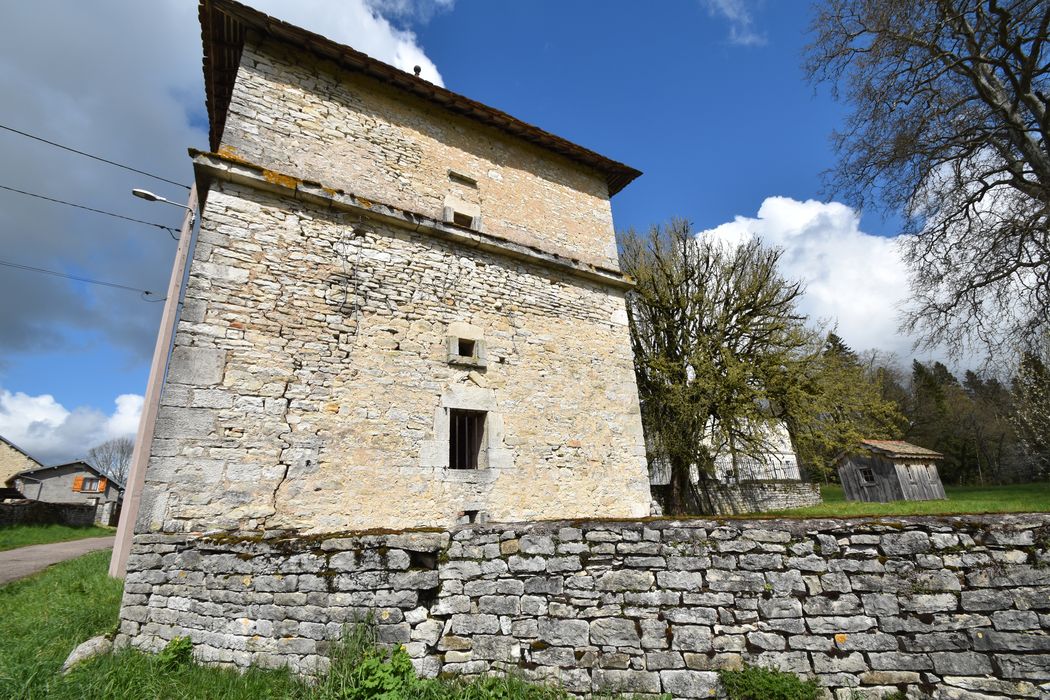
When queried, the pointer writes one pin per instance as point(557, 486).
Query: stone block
point(474, 624)
point(625, 580)
point(617, 681)
point(1035, 667)
point(680, 580)
point(196, 366)
point(565, 632)
point(691, 638)
point(614, 632)
point(690, 684)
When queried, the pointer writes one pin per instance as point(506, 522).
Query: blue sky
point(715, 126)
point(706, 97)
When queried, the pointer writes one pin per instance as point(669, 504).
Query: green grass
point(47, 615)
point(1013, 498)
point(24, 535)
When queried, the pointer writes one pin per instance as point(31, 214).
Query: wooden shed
point(890, 470)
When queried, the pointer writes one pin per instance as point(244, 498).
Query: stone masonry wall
point(41, 513)
point(310, 380)
point(763, 496)
point(13, 461)
point(954, 607)
point(304, 117)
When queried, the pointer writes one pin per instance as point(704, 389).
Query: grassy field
point(47, 615)
point(23, 535)
point(1014, 498)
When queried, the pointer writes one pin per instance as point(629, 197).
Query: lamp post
point(148, 420)
point(150, 197)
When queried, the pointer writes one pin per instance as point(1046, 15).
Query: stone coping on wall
point(947, 607)
point(230, 168)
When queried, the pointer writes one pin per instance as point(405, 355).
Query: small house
point(890, 470)
point(14, 460)
point(73, 482)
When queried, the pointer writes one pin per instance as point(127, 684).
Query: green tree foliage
point(717, 340)
point(841, 404)
point(968, 421)
point(722, 354)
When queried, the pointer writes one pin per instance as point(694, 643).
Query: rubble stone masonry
point(303, 116)
point(316, 364)
point(310, 381)
point(953, 607)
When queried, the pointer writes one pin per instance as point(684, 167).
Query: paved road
point(21, 562)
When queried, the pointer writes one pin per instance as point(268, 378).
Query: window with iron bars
point(466, 433)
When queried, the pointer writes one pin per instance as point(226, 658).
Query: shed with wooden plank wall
point(890, 470)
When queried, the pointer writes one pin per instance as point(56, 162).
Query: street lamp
point(150, 197)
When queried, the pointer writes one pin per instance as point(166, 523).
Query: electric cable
point(99, 158)
point(169, 229)
point(29, 268)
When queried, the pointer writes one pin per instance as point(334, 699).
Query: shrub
point(754, 683)
point(178, 652)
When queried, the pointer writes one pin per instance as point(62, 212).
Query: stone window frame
point(478, 359)
point(434, 453)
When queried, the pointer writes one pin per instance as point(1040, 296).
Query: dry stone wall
point(762, 496)
point(937, 607)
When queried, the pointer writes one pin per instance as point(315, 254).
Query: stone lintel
point(216, 166)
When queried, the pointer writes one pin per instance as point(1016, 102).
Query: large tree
point(840, 403)
point(951, 113)
point(718, 344)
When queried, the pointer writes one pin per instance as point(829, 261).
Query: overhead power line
point(89, 155)
point(169, 229)
point(54, 273)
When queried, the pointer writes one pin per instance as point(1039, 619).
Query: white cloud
point(741, 29)
point(361, 24)
point(852, 278)
point(52, 434)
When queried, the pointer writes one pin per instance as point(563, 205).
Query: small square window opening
point(867, 475)
point(467, 347)
point(460, 219)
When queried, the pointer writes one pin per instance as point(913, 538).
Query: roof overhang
point(225, 25)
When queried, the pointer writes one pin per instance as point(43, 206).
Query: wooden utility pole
point(148, 421)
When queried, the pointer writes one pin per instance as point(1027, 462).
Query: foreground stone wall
point(939, 607)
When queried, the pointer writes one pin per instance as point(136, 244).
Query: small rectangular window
point(89, 485)
point(466, 436)
point(466, 347)
point(867, 475)
point(460, 219)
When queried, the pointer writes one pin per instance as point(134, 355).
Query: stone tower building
point(404, 308)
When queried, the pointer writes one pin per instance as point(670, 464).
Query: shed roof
point(899, 449)
point(225, 24)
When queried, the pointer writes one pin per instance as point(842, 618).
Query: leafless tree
point(112, 458)
point(951, 112)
